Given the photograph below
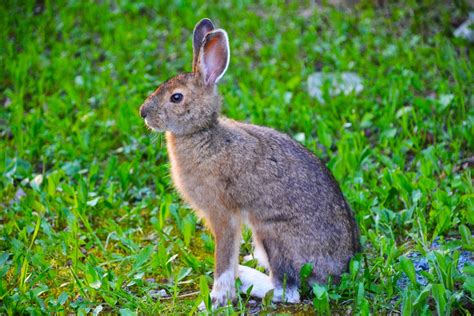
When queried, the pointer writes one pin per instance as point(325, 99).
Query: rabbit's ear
point(214, 56)
point(200, 30)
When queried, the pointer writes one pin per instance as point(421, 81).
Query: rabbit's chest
point(202, 186)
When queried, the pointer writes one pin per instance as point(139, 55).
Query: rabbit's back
point(299, 212)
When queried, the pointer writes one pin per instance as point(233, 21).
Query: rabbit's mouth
point(152, 126)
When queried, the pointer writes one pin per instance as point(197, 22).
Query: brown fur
point(233, 173)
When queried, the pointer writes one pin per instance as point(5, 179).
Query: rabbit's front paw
point(223, 289)
point(221, 298)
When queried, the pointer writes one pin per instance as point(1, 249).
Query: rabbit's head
point(189, 102)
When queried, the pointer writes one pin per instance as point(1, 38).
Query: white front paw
point(222, 297)
point(219, 299)
point(223, 289)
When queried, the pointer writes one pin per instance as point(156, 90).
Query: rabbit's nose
point(143, 111)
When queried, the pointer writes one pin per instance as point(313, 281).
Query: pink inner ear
point(201, 29)
point(215, 58)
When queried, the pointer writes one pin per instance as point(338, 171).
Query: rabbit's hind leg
point(258, 254)
point(260, 282)
point(287, 295)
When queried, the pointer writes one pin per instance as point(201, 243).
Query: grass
point(89, 220)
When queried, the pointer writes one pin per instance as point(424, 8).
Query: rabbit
point(233, 173)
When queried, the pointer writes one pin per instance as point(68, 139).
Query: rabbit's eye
point(176, 97)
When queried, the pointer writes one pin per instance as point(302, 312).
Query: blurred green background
point(89, 221)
